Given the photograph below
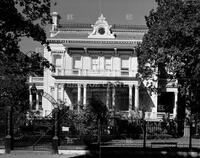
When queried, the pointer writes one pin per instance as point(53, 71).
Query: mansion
point(97, 60)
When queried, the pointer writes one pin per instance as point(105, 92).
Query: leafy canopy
point(20, 18)
point(172, 44)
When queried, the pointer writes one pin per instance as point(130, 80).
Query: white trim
point(73, 152)
point(2, 151)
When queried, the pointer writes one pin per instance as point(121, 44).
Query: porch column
point(113, 97)
point(136, 97)
point(37, 101)
point(107, 95)
point(84, 94)
point(130, 97)
point(56, 92)
point(63, 64)
point(62, 92)
point(30, 99)
point(175, 104)
point(79, 97)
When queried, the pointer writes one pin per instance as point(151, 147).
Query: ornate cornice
point(84, 41)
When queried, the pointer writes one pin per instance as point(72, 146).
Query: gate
point(29, 132)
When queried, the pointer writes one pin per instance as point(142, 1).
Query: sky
point(115, 11)
point(87, 11)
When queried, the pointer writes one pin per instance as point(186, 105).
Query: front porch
point(117, 97)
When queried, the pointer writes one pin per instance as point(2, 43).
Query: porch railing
point(37, 79)
point(87, 72)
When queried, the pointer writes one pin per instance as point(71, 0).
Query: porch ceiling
point(125, 78)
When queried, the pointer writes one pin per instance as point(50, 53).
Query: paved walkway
point(181, 142)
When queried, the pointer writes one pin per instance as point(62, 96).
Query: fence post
point(55, 138)
point(144, 136)
point(8, 144)
point(190, 136)
point(99, 132)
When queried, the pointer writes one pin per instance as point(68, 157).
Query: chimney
point(54, 20)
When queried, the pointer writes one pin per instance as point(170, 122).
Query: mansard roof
point(114, 26)
point(81, 31)
point(99, 31)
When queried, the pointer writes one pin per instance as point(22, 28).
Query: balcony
point(86, 72)
point(37, 80)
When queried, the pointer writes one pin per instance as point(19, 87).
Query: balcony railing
point(86, 72)
point(37, 80)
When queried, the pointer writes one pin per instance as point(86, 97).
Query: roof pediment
point(101, 29)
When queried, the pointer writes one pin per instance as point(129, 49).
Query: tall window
point(57, 62)
point(76, 64)
point(107, 63)
point(124, 66)
point(95, 63)
point(40, 99)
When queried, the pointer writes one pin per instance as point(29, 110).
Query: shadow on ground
point(127, 152)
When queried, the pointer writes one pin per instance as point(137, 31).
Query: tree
point(172, 48)
point(20, 18)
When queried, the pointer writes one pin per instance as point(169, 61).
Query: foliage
point(84, 123)
point(125, 128)
point(171, 47)
point(20, 18)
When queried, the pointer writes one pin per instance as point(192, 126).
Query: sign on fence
point(65, 129)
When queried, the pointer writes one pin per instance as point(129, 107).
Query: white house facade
point(98, 60)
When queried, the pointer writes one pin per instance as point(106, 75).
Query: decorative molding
point(101, 29)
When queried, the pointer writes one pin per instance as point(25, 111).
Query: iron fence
point(2, 126)
point(37, 134)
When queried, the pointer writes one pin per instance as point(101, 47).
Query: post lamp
point(33, 89)
point(33, 93)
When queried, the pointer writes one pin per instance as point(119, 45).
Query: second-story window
point(95, 63)
point(108, 63)
point(124, 66)
point(57, 62)
point(76, 64)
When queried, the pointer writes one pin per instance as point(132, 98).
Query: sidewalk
point(40, 154)
point(181, 142)
point(79, 151)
